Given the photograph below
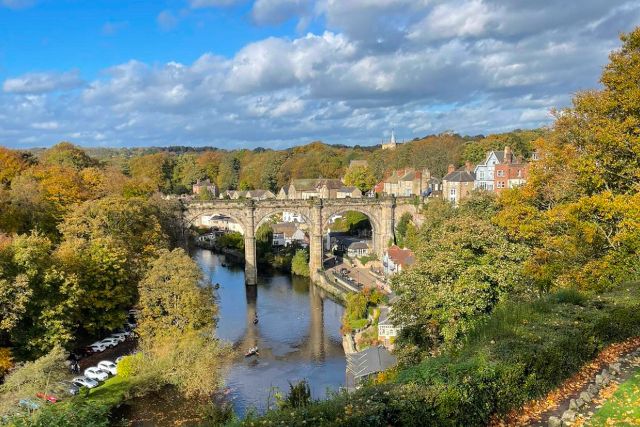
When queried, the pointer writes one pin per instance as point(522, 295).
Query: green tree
point(300, 263)
point(361, 177)
point(229, 173)
point(67, 155)
point(171, 298)
point(465, 267)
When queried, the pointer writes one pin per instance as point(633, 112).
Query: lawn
point(623, 409)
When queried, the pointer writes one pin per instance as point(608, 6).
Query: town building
point(392, 144)
point(358, 249)
point(511, 172)
point(205, 185)
point(364, 364)
point(407, 182)
point(288, 216)
point(387, 331)
point(348, 193)
point(485, 171)
point(259, 194)
point(396, 259)
point(458, 183)
point(321, 188)
point(287, 233)
point(283, 194)
point(247, 194)
point(221, 222)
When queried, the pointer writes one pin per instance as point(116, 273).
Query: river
point(298, 334)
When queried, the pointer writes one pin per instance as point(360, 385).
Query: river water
point(298, 333)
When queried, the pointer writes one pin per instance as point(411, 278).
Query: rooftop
point(460, 175)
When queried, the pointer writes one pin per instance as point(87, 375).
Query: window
point(500, 184)
point(500, 173)
point(519, 173)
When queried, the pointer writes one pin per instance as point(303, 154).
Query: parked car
point(84, 382)
point(108, 366)
point(66, 387)
point(118, 359)
point(98, 347)
point(48, 397)
point(110, 342)
point(96, 373)
point(118, 337)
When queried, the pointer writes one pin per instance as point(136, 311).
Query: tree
point(39, 298)
point(300, 263)
point(65, 154)
point(11, 164)
point(403, 227)
point(172, 299)
point(361, 177)
point(464, 268)
point(229, 173)
point(579, 208)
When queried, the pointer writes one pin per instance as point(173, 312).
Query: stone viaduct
point(250, 214)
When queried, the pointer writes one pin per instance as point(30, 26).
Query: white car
point(118, 336)
point(84, 382)
point(110, 342)
point(96, 373)
point(98, 347)
point(108, 366)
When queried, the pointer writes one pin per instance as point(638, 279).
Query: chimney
point(508, 155)
point(468, 166)
point(451, 168)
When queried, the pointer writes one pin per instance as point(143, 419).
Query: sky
point(278, 73)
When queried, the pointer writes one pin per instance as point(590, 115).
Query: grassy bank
point(524, 350)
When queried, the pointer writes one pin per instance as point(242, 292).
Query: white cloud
point(422, 66)
point(42, 82)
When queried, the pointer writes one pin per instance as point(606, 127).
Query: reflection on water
point(298, 333)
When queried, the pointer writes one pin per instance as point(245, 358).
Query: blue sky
point(276, 73)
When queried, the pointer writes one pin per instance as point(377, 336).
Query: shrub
point(300, 263)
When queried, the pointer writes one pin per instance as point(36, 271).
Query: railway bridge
point(250, 214)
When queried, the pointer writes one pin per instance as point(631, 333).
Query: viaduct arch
point(382, 213)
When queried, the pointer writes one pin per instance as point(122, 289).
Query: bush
point(521, 352)
point(300, 263)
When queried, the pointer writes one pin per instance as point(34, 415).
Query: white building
point(387, 331)
point(291, 217)
point(485, 172)
point(358, 249)
point(286, 233)
point(221, 222)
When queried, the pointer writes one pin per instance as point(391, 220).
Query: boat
point(251, 352)
point(216, 286)
point(255, 320)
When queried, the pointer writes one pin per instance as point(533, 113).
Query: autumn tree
point(580, 207)
point(361, 177)
point(67, 155)
point(172, 298)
